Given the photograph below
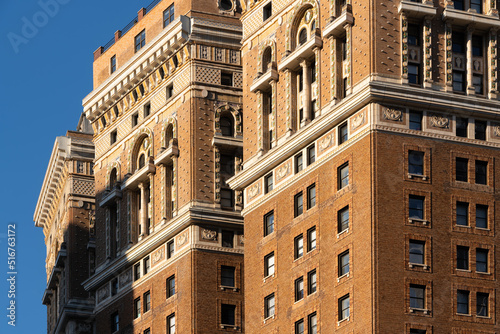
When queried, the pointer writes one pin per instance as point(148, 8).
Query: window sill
point(269, 318)
point(343, 276)
point(343, 320)
point(418, 220)
point(268, 278)
point(343, 232)
point(464, 270)
point(464, 315)
point(224, 326)
point(225, 287)
point(418, 176)
point(483, 229)
point(418, 265)
point(483, 317)
point(420, 310)
point(417, 10)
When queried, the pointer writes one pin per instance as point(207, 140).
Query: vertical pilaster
point(217, 175)
point(260, 122)
point(130, 227)
point(306, 95)
point(427, 53)
point(449, 57)
point(151, 204)
point(317, 78)
point(493, 64)
point(175, 200)
point(333, 69)
point(470, 85)
point(272, 115)
point(117, 226)
point(143, 211)
point(291, 106)
point(348, 65)
point(404, 48)
point(108, 234)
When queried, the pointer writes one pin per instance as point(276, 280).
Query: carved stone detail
point(242, 239)
point(496, 130)
point(209, 234)
point(103, 293)
point(357, 120)
point(283, 171)
point(182, 239)
point(393, 114)
point(158, 255)
point(254, 190)
point(325, 142)
point(125, 278)
point(438, 121)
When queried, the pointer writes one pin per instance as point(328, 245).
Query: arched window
point(141, 161)
point(313, 27)
point(302, 36)
point(266, 60)
point(142, 153)
point(226, 125)
point(169, 134)
point(112, 179)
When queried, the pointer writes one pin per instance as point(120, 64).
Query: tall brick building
point(166, 111)
point(65, 211)
point(370, 164)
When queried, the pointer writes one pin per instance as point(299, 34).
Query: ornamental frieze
point(283, 171)
point(158, 255)
point(325, 142)
point(182, 239)
point(392, 114)
point(439, 121)
point(254, 191)
point(209, 235)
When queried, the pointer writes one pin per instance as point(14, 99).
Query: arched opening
point(169, 134)
point(112, 179)
point(141, 161)
point(313, 27)
point(266, 59)
point(142, 152)
point(302, 36)
point(227, 125)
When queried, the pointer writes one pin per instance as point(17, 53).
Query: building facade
point(166, 110)
point(65, 211)
point(370, 165)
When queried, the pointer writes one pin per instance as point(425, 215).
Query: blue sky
point(46, 49)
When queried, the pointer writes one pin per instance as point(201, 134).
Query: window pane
point(416, 162)
point(343, 219)
point(481, 172)
point(416, 207)
point(415, 120)
point(482, 304)
point(462, 168)
point(343, 263)
point(417, 252)
point(417, 296)
point(462, 214)
point(482, 216)
point(482, 260)
point(298, 204)
point(311, 196)
point(269, 223)
point(227, 276)
point(463, 302)
point(311, 239)
point(463, 257)
point(462, 125)
point(227, 314)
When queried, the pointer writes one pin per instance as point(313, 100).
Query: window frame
point(269, 223)
point(137, 308)
point(268, 267)
point(140, 41)
point(268, 183)
point(413, 298)
point(298, 204)
point(343, 133)
point(170, 286)
point(298, 246)
point(224, 278)
point(463, 299)
point(312, 282)
point(168, 15)
point(463, 258)
point(299, 289)
point(343, 222)
point(311, 196)
point(269, 309)
point(146, 298)
point(341, 265)
point(343, 180)
point(344, 312)
point(415, 120)
point(311, 239)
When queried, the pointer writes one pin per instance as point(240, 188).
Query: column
point(333, 69)
point(273, 115)
point(317, 87)
point(150, 212)
point(306, 94)
point(492, 64)
point(143, 212)
point(470, 86)
point(404, 48)
point(260, 122)
point(427, 53)
point(290, 103)
point(449, 57)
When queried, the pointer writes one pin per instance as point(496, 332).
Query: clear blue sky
point(45, 74)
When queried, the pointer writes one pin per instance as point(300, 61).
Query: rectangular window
point(476, 5)
point(227, 276)
point(458, 81)
point(269, 306)
point(417, 296)
point(228, 239)
point(343, 219)
point(298, 163)
point(417, 249)
point(477, 82)
point(417, 331)
point(115, 322)
point(298, 246)
point(481, 216)
point(482, 304)
point(458, 4)
point(147, 109)
point(463, 257)
point(343, 176)
point(311, 154)
point(137, 271)
point(226, 78)
point(112, 64)
point(311, 196)
point(344, 308)
point(480, 130)
point(168, 16)
point(481, 260)
point(228, 314)
point(114, 286)
point(415, 120)
point(227, 198)
point(170, 249)
point(113, 137)
point(311, 239)
point(343, 263)
point(414, 74)
point(147, 265)
point(147, 301)
point(170, 286)
point(481, 172)
point(170, 91)
point(298, 204)
point(462, 302)
point(416, 162)
point(343, 134)
point(416, 207)
point(135, 119)
point(311, 282)
point(269, 265)
point(462, 127)
point(299, 289)
point(269, 223)
point(413, 34)
point(171, 324)
point(267, 11)
point(462, 169)
point(458, 41)
point(312, 324)
point(140, 40)
point(137, 308)
point(299, 327)
point(268, 183)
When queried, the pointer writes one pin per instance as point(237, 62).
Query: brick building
point(65, 211)
point(166, 110)
point(370, 164)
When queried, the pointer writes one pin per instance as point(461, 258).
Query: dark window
point(170, 91)
point(226, 198)
point(458, 4)
point(269, 306)
point(137, 308)
point(480, 130)
point(313, 79)
point(115, 322)
point(227, 314)
point(168, 16)
point(135, 119)
point(458, 41)
point(170, 286)
point(481, 216)
point(226, 126)
point(416, 206)
point(344, 310)
point(227, 276)
point(343, 135)
point(140, 40)
point(269, 223)
point(137, 271)
point(343, 176)
point(226, 79)
point(481, 172)
point(311, 196)
point(477, 82)
point(416, 162)
point(299, 289)
point(227, 239)
point(311, 154)
point(113, 137)
point(301, 86)
point(147, 265)
point(462, 126)
point(417, 249)
point(302, 36)
point(462, 214)
point(414, 74)
point(311, 282)
point(311, 239)
point(269, 264)
point(147, 301)
point(417, 331)
point(477, 43)
point(343, 219)
point(171, 324)
point(463, 257)
point(482, 304)
point(462, 169)
point(298, 204)
point(343, 263)
point(477, 5)
point(312, 324)
point(462, 302)
point(298, 163)
point(113, 64)
point(459, 81)
point(298, 243)
point(170, 249)
point(481, 260)
point(147, 331)
point(147, 109)
point(268, 183)
point(114, 286)
point(299, 327)
point(417, 296)
point(267, 11)
point(413, 34)
point(415, 120)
